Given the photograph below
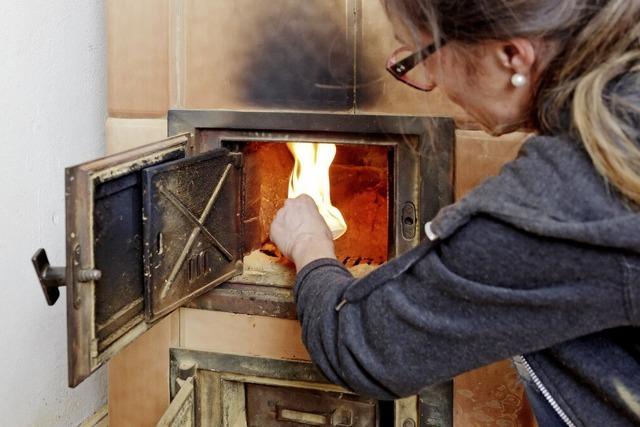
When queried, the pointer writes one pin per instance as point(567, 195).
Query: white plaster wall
point(52, 115)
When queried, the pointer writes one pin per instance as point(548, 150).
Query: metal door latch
point(51, 278)
point(408, 220)
point(187, 371)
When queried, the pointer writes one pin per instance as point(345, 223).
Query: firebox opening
point(359, 177)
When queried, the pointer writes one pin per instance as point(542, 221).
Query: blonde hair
point(591, 87)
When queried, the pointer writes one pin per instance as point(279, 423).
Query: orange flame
point(310, 176)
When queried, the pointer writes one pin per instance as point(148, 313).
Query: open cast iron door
point(192, 231)
point(147, 230)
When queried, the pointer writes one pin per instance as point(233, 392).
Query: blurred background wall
point(52, 115)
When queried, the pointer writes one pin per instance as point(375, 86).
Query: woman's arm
point(489, 292)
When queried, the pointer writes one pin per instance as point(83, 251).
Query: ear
point(517, 55)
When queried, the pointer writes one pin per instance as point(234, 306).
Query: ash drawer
point(272, 406)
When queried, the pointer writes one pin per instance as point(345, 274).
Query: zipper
point(536, 380)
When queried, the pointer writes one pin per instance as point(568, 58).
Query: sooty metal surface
point(192, 227)
point(118, 234)
point(117, 228)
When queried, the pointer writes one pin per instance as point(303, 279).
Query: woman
point(541, 263)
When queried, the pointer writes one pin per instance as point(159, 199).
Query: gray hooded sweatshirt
point(541, 261)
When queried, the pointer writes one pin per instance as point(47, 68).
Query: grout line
point(356, 28)
point(177, 47)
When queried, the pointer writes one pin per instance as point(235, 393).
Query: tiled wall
point(249, 54)
point(325, 55)
point(138, 58)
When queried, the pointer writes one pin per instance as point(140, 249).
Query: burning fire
point(310, 176)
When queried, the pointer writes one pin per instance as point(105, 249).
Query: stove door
point(122, 251)
point(104, 235)
point(192, 228)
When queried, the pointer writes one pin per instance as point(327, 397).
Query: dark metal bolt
point(409, 423)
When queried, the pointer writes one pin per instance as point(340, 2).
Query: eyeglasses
point(403, 62)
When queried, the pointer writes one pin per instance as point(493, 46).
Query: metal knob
point(51, 278)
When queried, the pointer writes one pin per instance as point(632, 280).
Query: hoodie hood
point(552, 189)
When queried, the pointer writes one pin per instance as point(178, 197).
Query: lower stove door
point(225, 390)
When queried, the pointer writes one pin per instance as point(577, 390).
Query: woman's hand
point(301, 233)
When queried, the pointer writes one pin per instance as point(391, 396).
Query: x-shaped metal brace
point(197, 229)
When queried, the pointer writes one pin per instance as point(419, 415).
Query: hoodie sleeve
point(488, 292)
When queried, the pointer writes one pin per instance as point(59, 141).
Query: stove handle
point(51, 278)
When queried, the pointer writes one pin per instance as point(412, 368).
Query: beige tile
point(277, 54)
point(125, 134)
point(241, 334)
point(138, 57)
point(479, 156)
point(377, 91)
point(139, 376)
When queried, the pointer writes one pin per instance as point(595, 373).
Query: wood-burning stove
point(184, 221)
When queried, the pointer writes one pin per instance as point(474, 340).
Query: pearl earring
point(518, 80)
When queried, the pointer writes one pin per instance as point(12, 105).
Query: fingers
point(299, 218)
point(303, 202)
point(305, 198)
point(278, 232)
